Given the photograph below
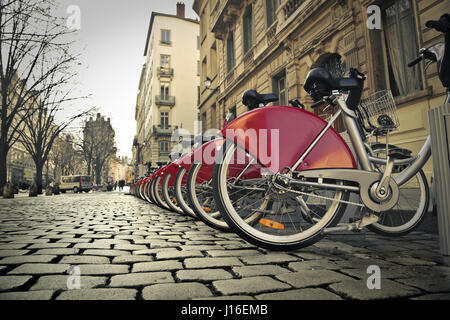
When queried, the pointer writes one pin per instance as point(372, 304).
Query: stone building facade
point(119, 168)
point(270, 46)
point(168, 88)
point(21, 170)
point(99, 136)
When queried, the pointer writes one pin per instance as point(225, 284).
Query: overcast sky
point(112, 40)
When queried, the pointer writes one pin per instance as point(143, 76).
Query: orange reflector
point(272, 224)
point(207, 209)
point(175, 200)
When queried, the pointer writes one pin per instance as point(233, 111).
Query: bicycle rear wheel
point(285, 219)
point(146, 193)
point(157, 193)
point(201, 198)
point(181, 192)
point(169, 196)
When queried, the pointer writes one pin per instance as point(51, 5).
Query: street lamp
point(208, 83)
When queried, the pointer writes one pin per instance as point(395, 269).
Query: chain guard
point(365, 179)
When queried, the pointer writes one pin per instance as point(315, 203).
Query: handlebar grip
point(415, 61)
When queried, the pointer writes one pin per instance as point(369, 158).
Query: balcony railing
point(271, 33)
point(249, 58)
point(165, 72)
point(161, 130)
point(229, 78)
point(165, 101)
point(290, 6)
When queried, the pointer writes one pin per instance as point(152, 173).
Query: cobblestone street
point(127, 249)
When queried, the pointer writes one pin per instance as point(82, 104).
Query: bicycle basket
point(378, 112)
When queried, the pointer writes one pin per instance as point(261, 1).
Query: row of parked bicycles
point(281, 177)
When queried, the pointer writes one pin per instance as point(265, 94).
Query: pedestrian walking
point(121, 184)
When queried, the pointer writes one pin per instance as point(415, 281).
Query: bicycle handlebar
point(424, 53)
point(317, 104)
point(415, 61)
point(441, 25)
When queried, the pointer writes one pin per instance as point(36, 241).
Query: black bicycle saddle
point(253, 99)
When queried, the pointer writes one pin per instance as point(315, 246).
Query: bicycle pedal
point(368, 219)
point(342, 227)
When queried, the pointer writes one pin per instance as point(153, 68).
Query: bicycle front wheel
point(411, 208)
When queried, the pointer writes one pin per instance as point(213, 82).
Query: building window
point(164, 146)
point(280, 88)
point(248, 29)
point(213, 117)
point(198, 42)
point(213, 60)
point(164, 120)
point(203, 69)
point(233, 112)
point(333, 63)
point(230, 52)
point(198, 68)
point(198, 95)
point(165, 61)
point(165, 92)
point(204, 122)
point(398, 43)
point(203, 23)
point(282, 93)
point(271, 7)
point(337, 68)
point(165, 36)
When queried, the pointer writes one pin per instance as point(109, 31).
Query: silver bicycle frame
point(365, 160)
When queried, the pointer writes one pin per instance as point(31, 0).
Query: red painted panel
point(280, 135)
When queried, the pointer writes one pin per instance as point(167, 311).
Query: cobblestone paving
point(124, 248)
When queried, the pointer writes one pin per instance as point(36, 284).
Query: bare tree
point(39, 131)
point(28, 34)
point(38, 136)
point(66, 157)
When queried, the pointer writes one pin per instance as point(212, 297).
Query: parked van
point(76, 183)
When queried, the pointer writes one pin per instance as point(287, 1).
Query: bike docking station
point(439, 119)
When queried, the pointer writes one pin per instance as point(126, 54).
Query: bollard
point(439, 119)
point(49, 191)
point(33, 190)
point(8, 191)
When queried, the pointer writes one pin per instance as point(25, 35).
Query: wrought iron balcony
point(290, 6)
point(161, 130)
point(165, 72)
point(165, 101)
